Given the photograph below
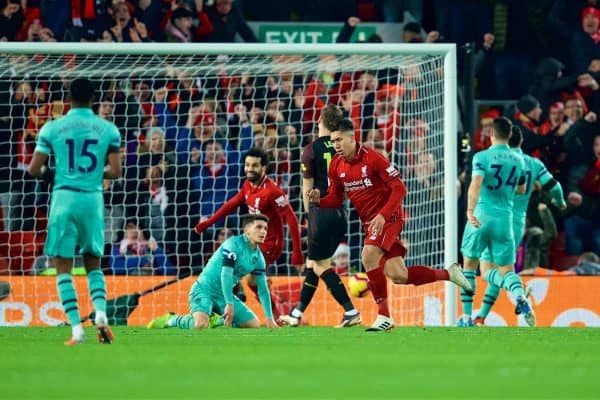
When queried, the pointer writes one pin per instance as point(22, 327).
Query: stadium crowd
point(183, 137)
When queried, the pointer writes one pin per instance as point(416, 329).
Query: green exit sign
point(308, 33)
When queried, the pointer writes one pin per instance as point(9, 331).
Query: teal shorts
point(495, 235)
point(76, 219)
point(202, 299)
point(518, 232)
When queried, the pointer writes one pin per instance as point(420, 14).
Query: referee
point(326, 226)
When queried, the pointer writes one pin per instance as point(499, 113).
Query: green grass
point(304, 363)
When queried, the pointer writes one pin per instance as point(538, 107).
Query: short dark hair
point(502, 127)
point(516, 137)
point(331, 116)
point(346, 125)
point(259, 153)
point(82, 91)
point(250, 218)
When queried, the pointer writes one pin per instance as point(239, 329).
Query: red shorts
point(388, 239)
point(271, 250)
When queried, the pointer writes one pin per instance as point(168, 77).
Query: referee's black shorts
point(326, 229)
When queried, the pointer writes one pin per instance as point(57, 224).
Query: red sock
point(420, 275)
point(276, 313)
point(378, 286)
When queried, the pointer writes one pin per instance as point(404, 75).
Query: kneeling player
point(238, 256)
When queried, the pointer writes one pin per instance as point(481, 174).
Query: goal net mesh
point(186, 122)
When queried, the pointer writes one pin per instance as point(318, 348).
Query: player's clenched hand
point(474, 221)
point(314, 196)
point(271, 324)
point(228, 314)
point(376, 225)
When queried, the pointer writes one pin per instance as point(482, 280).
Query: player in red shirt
point(263, 196)
point(376, 191)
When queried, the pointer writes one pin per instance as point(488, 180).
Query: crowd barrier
point(558, 301)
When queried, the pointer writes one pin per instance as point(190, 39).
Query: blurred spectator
point(190, 149)
point(11, 18)
point(179, 27)
point(582, 226)
point(482, 137)
point(549, 85)
point(411, 33)
point(136, 255)
point(556, 119)
point(450, 17)
point(19, 198)
point(387, 114)
point(374, 138)
point(519, 40)
point(214, 180)
point(588, 264)
point(348, 30)
point(151, 13)
point(564, 18)
point(527, 117)
point(539, 234)
point(227, 20)
point(124, 28)
point(585, 42)
point(484, 66)
point(155, 204)
point(579, 137)
point(37, 33)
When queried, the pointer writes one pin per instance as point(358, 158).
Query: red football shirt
point(371, 183)
point(268, 199)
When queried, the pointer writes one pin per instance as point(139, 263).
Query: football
point(358, 285)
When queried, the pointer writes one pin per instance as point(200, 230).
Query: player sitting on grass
point(237, 257)
point(81, 143)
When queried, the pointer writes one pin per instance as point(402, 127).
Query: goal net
point(187, 116)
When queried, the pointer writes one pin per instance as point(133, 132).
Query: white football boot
point(381, 324)
point(456, 276)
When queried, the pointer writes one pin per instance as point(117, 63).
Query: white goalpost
point(187, 113)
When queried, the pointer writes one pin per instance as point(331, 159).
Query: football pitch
point(302, 363)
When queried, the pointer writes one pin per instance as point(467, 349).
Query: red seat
point(19, 249)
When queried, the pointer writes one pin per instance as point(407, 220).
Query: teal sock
point(97, 288)
point(513, 283)
point(493, 277)
point(489, 298)
point(68, 297)
point(465, 298)
point(182, 321)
